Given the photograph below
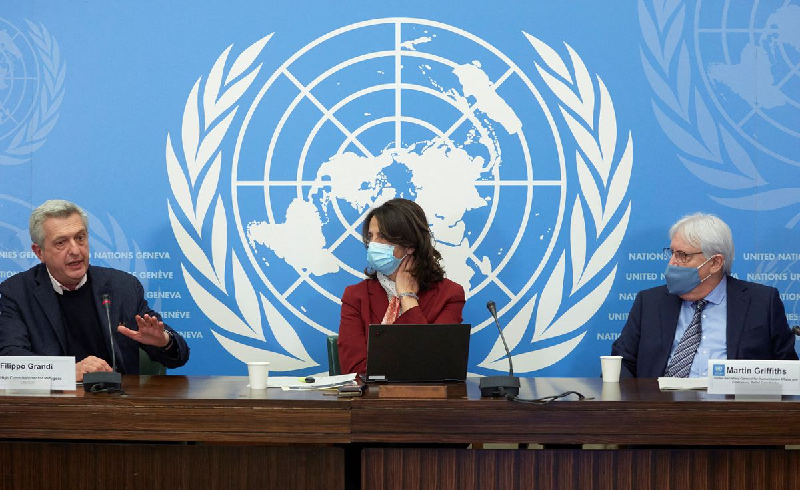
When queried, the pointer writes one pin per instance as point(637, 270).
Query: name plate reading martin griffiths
point(37, 373)
point(737, 377)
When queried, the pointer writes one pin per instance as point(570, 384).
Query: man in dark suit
point(56, 308)
point(702, 312)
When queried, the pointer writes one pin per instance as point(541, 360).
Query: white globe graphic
point(387, 108)
point(19, 79)
point(749, 55)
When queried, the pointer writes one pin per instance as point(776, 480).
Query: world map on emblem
point(749, 54)
point(428, 112)
point(18, 79)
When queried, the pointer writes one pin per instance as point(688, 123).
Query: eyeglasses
point(680, 257)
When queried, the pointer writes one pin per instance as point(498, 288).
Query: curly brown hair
point(403, 222)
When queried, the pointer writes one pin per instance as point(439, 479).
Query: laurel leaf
point(719, 178)
point(211, 142)
point(577, 243)
point(588, 145)
point(582, 311)
point(246, 298)
point(683, 80)
point(739, 157)
point(585, 88)
point(34, 28)
point(178, 184)
point(605, 252)
point(607, 126)
point(208, 190)
point(7, 160)
point(219, 241)
point(650, 35)
point(237, 89)
point(763, 201)
point(706, 126)
point(513, 332)
point(619, 183)
point(590, 192)
point(17, 138)
point(284, 332)
point(661, 89)
point(550, 57)
point(550, 299)
point(246, 59)
point(44, 130)
point(560, 90)
point(190, 132)
point(539, 358)
point(673, 35)
point(214, 309)
point(246, 353)
point(682, 139)
point(191, 250)
point(213, 84)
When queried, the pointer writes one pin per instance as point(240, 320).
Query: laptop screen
point(418, 353)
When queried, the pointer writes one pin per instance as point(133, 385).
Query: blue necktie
point(681, 361)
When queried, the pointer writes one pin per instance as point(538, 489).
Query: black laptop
point(417, 353)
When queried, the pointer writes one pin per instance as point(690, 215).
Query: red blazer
point(365, 303)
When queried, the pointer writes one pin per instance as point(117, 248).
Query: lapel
point(378, 301)
point(46, 297)
point(669, 324)
point(738, 302)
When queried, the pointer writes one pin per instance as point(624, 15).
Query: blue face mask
point(380, 257)
point(681, 280)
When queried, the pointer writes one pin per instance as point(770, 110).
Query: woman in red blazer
point(405, 281)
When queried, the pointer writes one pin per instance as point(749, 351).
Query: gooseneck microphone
point(496, 386)
point(104, 381)
point(107, 305)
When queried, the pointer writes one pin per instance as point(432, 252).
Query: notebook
point(417, 353)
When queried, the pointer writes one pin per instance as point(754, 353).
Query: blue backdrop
point(228, 151)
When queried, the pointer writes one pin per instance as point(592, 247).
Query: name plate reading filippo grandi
point(37, 372)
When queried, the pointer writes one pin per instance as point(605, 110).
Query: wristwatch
point(171, 341)
point(410, 295)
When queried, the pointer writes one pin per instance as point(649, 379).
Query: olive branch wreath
point(207, 117)
point(589, 113)
point(33, 133)
point(688, 122)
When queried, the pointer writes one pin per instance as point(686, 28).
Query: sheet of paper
point(682, 383)
point(320, 382)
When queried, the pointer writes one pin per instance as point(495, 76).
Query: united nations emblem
point(269, 224)
point(724, 84)
point(32, 77)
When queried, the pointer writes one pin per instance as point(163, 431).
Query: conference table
point(214, 432)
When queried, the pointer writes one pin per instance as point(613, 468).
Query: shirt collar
point(60, 287)
point(717, 295)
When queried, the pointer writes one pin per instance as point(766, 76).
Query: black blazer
point(756, 328)
point(31, 322)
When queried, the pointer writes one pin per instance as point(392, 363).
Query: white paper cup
point(259, 374)
point(611, 366)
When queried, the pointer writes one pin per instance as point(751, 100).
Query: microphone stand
point(497, 386)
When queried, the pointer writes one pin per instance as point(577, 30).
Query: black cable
point(547, 399)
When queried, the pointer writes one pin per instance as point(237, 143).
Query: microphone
point(796, 330)
point(103, 381)
point(496, 386)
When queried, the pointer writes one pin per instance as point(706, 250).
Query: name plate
point(744, 377)
point(34, 372)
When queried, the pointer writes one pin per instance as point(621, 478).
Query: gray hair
point(54, 208)
point(708, 233)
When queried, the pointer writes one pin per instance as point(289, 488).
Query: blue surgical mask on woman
point(380, 257)
point(681, 280)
